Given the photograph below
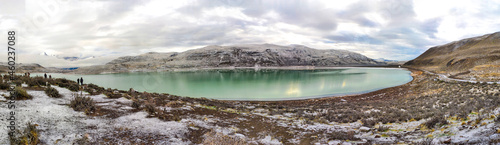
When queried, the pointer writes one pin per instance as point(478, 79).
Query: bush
point(28, 137)
point(4, 86)
point(113, 95)
point(36, 81)
point(136, 105)
point(215, 138)
point(175, 104)
point(437, 120)
point(80, 103)
point(382, 128)
point(368, 122)
point(52, 92)
point(97, 88)
point(150, 109)
point(21, 94)
point(424, 141)
point(17, 82)
point(341, 135)
point(73, 87)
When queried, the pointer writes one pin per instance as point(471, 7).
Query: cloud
point(391, 29)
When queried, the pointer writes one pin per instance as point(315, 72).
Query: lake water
point(250, 84)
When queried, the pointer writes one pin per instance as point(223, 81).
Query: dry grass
point(21, 94)
point(486, 66)
point(487, 75)
point(432, 91)
point(28, 137)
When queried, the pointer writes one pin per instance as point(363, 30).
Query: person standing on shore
point(81, 80)
point(45, 75)
point(78, 81)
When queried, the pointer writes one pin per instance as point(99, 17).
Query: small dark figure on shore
point(77, 81)
point(28, 74)
point(45, 75)
point(25, 74)
point(50, 76)
point(81, 80)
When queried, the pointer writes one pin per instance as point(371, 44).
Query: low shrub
point(21, 94)
point(17, 82)
point(35, 81)
point(150, 109)
point(4, 86)
point(97, 88)
point(136, 105)
point(63, 81)
point(342, 135)
point(437, 120)
point(81, 103)
point(73, 87)
point(424, 141)
point(81, 141)
point(177, 104)
point(28, 137)
point(52, 92)
point(214, 138)
point(382, 128)
point(368, 122)
point(113, 95)
point(169, 116)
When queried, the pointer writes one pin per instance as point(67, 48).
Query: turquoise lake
point(250, 84)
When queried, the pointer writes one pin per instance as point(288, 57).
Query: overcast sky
point(107, 29)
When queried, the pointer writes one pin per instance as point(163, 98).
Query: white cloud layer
point(391, 29)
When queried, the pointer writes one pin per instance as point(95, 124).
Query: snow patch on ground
point(59, 123)
point(56, 121)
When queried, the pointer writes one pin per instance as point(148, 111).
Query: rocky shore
point(426, 110)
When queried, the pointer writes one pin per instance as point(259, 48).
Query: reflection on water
point(294, 89)
point(250, 84)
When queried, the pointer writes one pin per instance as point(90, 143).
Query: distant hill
point(390, 62)
point(22, 67)
point(33, 68)
point(252, 55)
point(473, 58)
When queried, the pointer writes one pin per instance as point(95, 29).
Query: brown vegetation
point(81, 103)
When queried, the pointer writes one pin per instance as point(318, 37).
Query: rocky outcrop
point(264, 55)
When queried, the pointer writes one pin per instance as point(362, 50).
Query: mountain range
point(249, 55)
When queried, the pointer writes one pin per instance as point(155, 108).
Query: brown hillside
point(473, 58)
